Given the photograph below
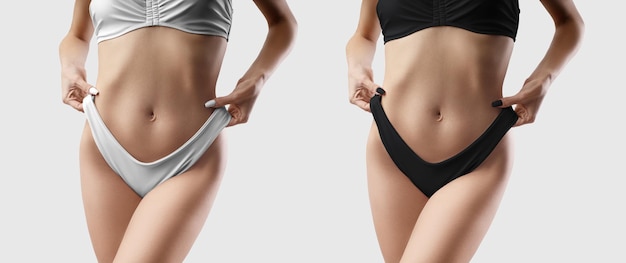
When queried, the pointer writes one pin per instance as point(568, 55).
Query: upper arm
point(562, 11)
point(81, 27)
point(275, 11)
point(368, 26)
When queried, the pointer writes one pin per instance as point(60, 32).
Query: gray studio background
point(295, 189)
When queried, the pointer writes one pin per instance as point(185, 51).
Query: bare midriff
point(439, 85)
point(153, 84)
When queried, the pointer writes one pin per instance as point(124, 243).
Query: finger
point(521, 121)
point(524, 115)
point(506, 101)
point(370, 86)
point(362, 104)
point(76, 105)
point(232, 122)
point(233, 118)
point(497, 103)
point(520, 117)
point(74, 99)
point(209, 104)
point(93, 91)
point(380, 91)
point(84, 86)
point(237, 116)
point(361, 98)
point(509, 101)
point(220, 101)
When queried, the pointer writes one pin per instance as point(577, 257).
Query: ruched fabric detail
point(400, 18)
point(113, 18)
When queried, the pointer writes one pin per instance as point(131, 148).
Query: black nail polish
point(380, 91)
point(496, 103)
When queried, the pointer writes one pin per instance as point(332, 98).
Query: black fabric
point(399, 18)
point(430, 177)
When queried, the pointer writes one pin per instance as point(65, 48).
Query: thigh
point(457, 217)
point(395, 202)
point(108, 202)
point(170, 217)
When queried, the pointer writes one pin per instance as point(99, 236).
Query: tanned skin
point(440, 83)
point(153, 83)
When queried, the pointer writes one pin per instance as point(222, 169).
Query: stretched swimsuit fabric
point(142, 177)
point(430, 177)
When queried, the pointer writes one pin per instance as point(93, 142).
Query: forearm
point(278, 43)
point(360, 52)
point(565, 43)
point(73, 52)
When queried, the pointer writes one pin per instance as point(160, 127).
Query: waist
point(159, 71)
point(150, 123)
point(447, 69)
point(447, 115)
point(438, 135)
point(160, 57)
point(153, 96)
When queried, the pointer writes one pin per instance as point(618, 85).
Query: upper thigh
point(456, 218)
point(395, 202)
point(108, 202)
point(169, 218)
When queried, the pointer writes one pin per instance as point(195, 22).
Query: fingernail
point(496, 103)
point(93, 91)
point(209, 104)
point(380, 91)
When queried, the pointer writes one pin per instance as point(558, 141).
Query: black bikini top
point(399, 18)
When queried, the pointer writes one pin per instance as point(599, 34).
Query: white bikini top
point(113, 18)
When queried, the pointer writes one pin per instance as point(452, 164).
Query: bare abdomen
point(439, 84)
point(153, 83)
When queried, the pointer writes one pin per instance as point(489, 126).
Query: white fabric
point(113, 18)
point(141, 176)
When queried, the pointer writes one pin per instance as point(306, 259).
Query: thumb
point(219, 101)
point(86, 87)
point(370, 85)
point(505, 102)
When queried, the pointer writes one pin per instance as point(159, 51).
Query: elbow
point(573, 27)
point(579, 28)
point(292, 22)
point(578, 25)
point(292, 25)
point(282, 32)
point(287, 25)
point(574, 24)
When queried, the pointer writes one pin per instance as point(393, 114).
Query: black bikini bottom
point(430, 177)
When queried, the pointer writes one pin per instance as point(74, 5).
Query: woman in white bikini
point(151, 158)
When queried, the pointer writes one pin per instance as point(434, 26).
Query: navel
point(152, 116)
point(439, 116)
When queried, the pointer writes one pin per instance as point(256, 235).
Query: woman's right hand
point(74, 87)
point(361, 87)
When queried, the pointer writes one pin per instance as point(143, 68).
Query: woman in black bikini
point(438, 153)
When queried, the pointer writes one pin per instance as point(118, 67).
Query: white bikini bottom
point(143, 177)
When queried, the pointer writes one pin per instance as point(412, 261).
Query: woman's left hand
point(240, 101)
point(527, 101)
